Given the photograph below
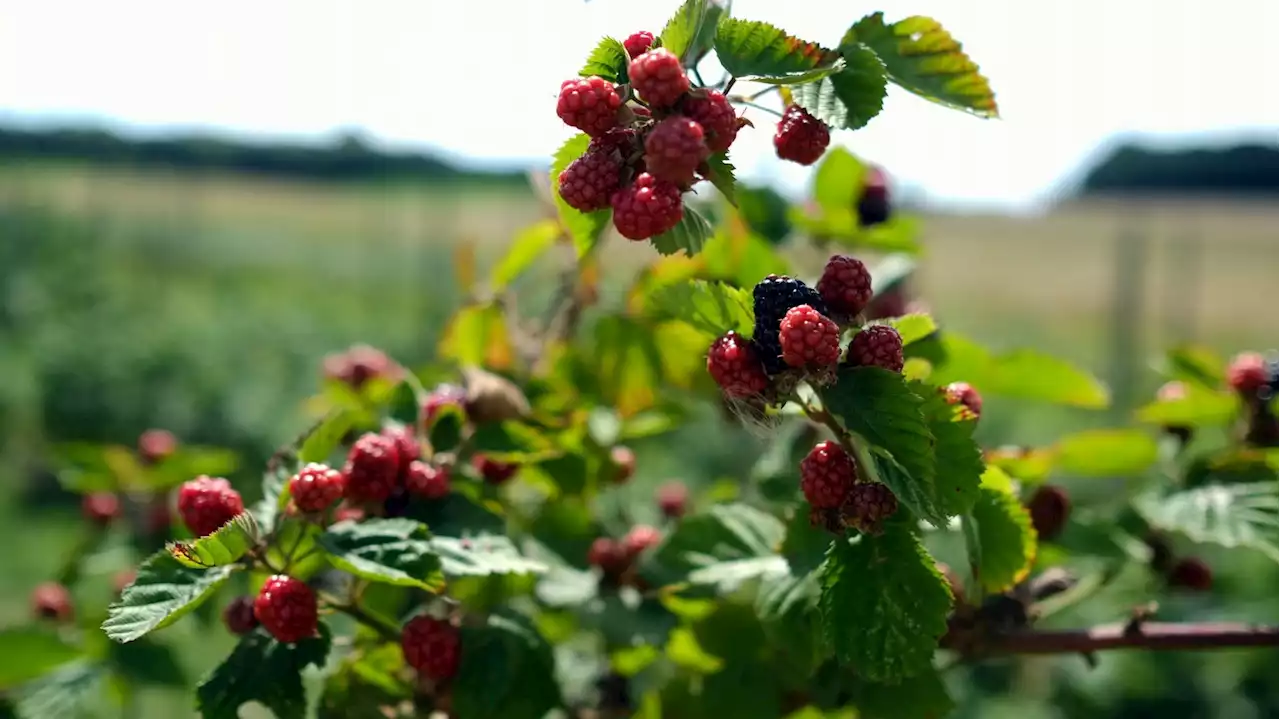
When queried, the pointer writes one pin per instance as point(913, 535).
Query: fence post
point(1127, 347)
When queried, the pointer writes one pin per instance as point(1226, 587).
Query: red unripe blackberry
point(373, 468)
point(100, 508)
point(286, 607)
point(155, 445)
point(638, 42)
point(624, 462)
point(963, 394)
point(1191, 573)
point(646, 208)
point(710, 109)
point(808, 339)
point(206, 503)
point(427, 481)
point(1050, 507)
point(493, 471)
point(238, 616)
point(609, 556)
point(359, 364)
point(316, 487)
point(801, 137)
point(673, 499)
point(589, 181)
point(590, 104)
point(674, 148)
point(1247, 373)
point(51, 600)
point(845, 285)
point(407, 447)
point(873, 204)
point(877, 346)
point(827, 475)
point(658, 77)
point(893, 302)
point(431, 646)
point(734, 365)
point(442, 396)
point(867, 506)
point(640, 538)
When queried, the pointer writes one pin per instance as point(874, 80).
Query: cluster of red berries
point(650, 140)
point(359, 364)
point(616, 558)
point(838, 498)
point(797, 328)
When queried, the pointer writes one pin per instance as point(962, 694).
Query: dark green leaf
point(1106, 452)
point(720, 173)
point(923, 696)
point(584, 228)
point(393, 551)
point(482, 554)
point(806, 545)
point(1023, 374)
point(922, 57)
point(320, 443)
point(1230, 515)
point(512, 441)
point(507, 672)
point(713, 307)
point(751, 50)
point(740, 257)
point(765, 212)
point(1201, 407)
point(225, 546)
point(849, 98)
point(884, 604)
point(275, 484)
point(918, 496)
point(958, 459)
point(30, 652)
point(148, 662)
point(722, 549)
point(608, 60)
point(74, 691)
point(1006, 539)
point(262, 670)
point(913, 327)
point(161, 594)
point(527, 246)
point(683, 29)
point(689, 236)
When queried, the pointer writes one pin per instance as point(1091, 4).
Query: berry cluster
point(616, 558)
point(358, 365)
point(650, 140)
point(838, 497)
point(1257, 380)
point(797, 333)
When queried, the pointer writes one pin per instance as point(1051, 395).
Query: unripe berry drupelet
point(637, 43)
point(590, 104)
point(589, 181)
point(734, 365)
point(674, 148)
point(658, 77)
point(711, 110)
point(808, 339)
point(1050, 507)
point(407, 447)
point(427, 481)
point(801, 137)
point(316, 487)
point(608, 554)
point(206, 503)
point(646, 208)
point(827, 475)
point(156, 445)
point(963, 394)
point(100, 508)
point(286, 607)
point(238, 616)
point(1247, 373)
point(493, 471)
point(373, 468)
point(640, 538)
point(673, 499)
point(51, 600)
point(431, 646)
point(624, 463)
point(877, 346)
point(845, 285)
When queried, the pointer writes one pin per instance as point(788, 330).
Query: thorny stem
point(1153, 636)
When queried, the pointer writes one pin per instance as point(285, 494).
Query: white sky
point(480, 78)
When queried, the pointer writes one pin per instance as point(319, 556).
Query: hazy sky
point(480, 78)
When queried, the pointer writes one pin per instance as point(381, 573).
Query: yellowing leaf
point(1006, 538)
point(477, 335)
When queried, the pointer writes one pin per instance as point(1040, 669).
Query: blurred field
point(204, 303)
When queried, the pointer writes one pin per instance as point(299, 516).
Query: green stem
point(761, 108)
point(698, 76)
point(385, 629)
point(729, 85)
point(757, 95)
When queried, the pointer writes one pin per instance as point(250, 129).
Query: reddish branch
point(1148, 636)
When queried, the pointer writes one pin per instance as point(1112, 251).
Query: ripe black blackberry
point(773, 297)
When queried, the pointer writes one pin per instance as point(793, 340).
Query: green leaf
point(30, 652)
point(585, 229)
point(1201, 407)
point(957, 458)
point(740, 257)
point(766, 214)
point(225, 546)
point(1230, 515)
point(477, 336)
point(482, 554)
point(275, 484)
point(922, 57)
point(720, 173)
point(751, 50)
point(162, 593)
point(147, 662)
point(849, 98)
point(391, 551)
point(689, 236)
point(913, 327)
point(1022, 374)
point(262, 670)
point(719, 550)
point(923, 696)
point(682, 30)
point(884, 604)
point(507, 672)
point(838, 181)
point(525, 249)
point(1199, 366)
point(890, 272)
point(321, 442)
point(608, 60)
point(74, 691)
point(627, 362)
point(1106, 452)
point(1006, 539)
point(712, 307)
point(914, 494)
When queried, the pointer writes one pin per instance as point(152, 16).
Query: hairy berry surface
point(286, 607)
point(206, 503)
point(827, 475)
point(734, 364)
point(711, 110)
point(808, 339)
point(845, 285)
point(801, 137)
point(372, 469)
point(590, 104)
point(431, 646)
point(658, 77)
point(316, 487)
point(674, 148)
point(589, 181)
point(646, 208)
